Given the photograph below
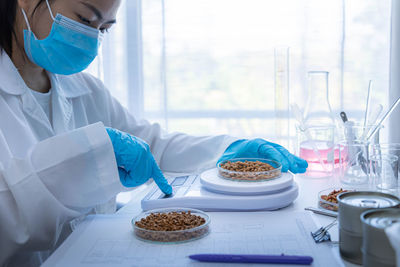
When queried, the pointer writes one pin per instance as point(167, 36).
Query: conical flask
point(318, 111)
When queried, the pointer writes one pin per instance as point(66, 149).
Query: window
point(208, 67)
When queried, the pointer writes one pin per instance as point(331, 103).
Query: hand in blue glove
point(259, 148)
point(136, 164)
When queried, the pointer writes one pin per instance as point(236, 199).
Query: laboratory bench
point(308, 197)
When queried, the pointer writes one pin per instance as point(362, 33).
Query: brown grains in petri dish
point(170, 226)
point(247, 166)
point(248, 170)
point(332, 198)
point(171, 221)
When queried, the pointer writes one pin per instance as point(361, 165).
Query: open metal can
point(376, 247)
point(351, 206)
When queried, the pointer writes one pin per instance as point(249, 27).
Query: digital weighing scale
point(209, 192)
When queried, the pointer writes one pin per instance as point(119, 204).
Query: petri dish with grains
point(249, 169)
point(327, 198)
point(171, 225)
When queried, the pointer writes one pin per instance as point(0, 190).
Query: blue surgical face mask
point(70, 47)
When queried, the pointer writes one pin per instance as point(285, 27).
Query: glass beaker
point(390, 149)
point(315, 144)
point(354, 162)
point(386, 149)
point(358, 132)
point(318, 110)
point(384, 169)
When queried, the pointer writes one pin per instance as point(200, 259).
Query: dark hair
point(8, 11)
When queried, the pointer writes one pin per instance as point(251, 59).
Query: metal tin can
point(376, 247)
point(351, 205)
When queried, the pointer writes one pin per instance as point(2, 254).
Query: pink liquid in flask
point(329, 156)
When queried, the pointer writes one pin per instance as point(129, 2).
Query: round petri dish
point(239, 176)
point(327, 198)
point(171, 237)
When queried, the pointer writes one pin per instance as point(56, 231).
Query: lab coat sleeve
point(85, 159)
point(60, 179)
point(174, 152)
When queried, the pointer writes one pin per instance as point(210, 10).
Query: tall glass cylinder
point(282, 114)
point(318, 110)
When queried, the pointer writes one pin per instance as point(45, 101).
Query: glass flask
point(318, 111)
point(316, 145)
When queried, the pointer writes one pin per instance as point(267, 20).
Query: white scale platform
point(209, 192)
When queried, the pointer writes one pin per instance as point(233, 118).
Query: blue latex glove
point(136, 164)
point(259, 148)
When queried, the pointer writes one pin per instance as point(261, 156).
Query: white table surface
point(308, 193)
point(308, 197)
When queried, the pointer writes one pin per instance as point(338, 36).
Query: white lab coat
point(53, 173)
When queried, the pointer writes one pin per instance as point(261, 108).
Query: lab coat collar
point(12, 83)
point(63, 88)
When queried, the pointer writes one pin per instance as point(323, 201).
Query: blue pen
point(252, 258)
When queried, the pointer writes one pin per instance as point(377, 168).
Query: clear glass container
point(379, 150)
point(384, 170)
point(354, 161)
point(250, 176)
point(282, 94)
point(315, 144)
point(358, 132)
point(172, 237)
point(318, 110)
point(327, 198)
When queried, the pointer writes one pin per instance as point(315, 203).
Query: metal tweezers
point(322, 212)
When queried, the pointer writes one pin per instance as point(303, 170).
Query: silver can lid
point(381, 218)
point(367, 199)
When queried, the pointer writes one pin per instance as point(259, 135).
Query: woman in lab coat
point(67, 147)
